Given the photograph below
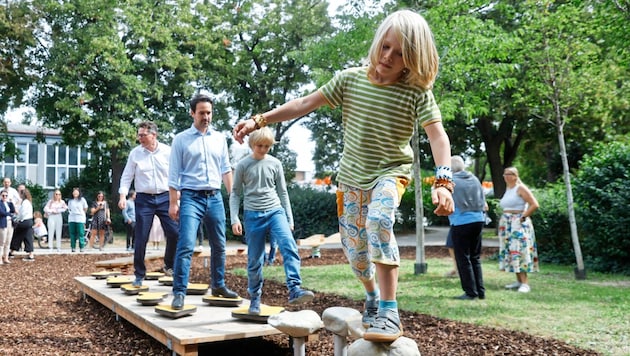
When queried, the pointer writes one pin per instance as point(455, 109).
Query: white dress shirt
point(148, 170)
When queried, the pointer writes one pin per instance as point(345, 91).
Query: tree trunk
point(580, 272)
point(117, 168)
point(494, 139)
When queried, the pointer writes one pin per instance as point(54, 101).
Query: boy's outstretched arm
point(288, 111)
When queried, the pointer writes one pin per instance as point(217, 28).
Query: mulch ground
point(43, 313)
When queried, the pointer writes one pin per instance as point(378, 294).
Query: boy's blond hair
point(419, 54)
point(261, 136)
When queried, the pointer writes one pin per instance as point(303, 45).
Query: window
point(21, 153)
point(63, 150)
point(32, 153)
point(50, 154)
point(73, 157)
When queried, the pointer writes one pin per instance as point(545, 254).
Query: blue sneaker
point(254, 306)
point(137, 282)
point(178, 302)
point(385, 328)
point(370, 312)
point(300, 296)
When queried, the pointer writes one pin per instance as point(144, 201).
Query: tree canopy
point(95, 68)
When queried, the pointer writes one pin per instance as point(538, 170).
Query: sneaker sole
point(302, 299)
point(379, 337)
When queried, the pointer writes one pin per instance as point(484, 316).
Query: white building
point(48, 164)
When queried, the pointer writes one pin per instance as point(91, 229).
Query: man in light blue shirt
point(129, 217)
point(198, 164)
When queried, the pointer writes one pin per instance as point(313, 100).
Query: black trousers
point(467, 248)
point(23, 233)
point(131, 228)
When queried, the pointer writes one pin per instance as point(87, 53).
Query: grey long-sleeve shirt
point(261, 183)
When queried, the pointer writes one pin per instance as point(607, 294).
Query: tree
point(264, 40)
point(105, 66)
point(17, 24)
point(565, 82)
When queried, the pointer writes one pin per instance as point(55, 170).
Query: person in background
point(14, 194)
point(129, 218)
point(77, 209)
point(449, 245)
point(39, 228)
point(518, 252)
point(23, 232)
point(156, 235)
point(100, 219)
point(147, 167)
point(467, 227)
point(259, 180)
point(54, 210)
point(199, 162)
point(7, 211)
point(273, 248)
point(381, 103)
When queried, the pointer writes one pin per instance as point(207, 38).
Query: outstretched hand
point(443, 198)
point(243, 129)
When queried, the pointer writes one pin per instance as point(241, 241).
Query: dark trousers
point(131, 228)
point(147, 206)
point(467, 248)
point(23, 233)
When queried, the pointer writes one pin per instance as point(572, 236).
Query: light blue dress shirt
point(198, 161)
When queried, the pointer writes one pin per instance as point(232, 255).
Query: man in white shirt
point(14, 195)
point(147, 166)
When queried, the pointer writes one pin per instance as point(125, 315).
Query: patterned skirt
point(518, 251)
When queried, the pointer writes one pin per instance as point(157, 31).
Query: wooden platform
point(183, 336)
point(316, 241)
point(319, 239)
point(125, 261)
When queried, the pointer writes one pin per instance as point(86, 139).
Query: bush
point(602, 195)
point(551, 224)
point(314, 212)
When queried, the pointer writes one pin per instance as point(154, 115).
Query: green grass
point(592, 314)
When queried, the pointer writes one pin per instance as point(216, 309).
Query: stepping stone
point(151, 276)
point(166, 281)
point(105, 274)
point(265, 312)
point(197, 288)
point(118, 281)
point(129, 289)
point(222, 302)
point(150, 298)
point(167, 311)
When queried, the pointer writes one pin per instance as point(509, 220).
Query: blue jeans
point(148, 205)
point(197, 206)
point(257, 225)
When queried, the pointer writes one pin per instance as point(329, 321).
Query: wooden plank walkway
point(184, 335)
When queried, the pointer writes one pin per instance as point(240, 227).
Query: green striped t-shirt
point(378, 124)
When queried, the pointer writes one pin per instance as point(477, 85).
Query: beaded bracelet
point(259, 121)
point(444, 183)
